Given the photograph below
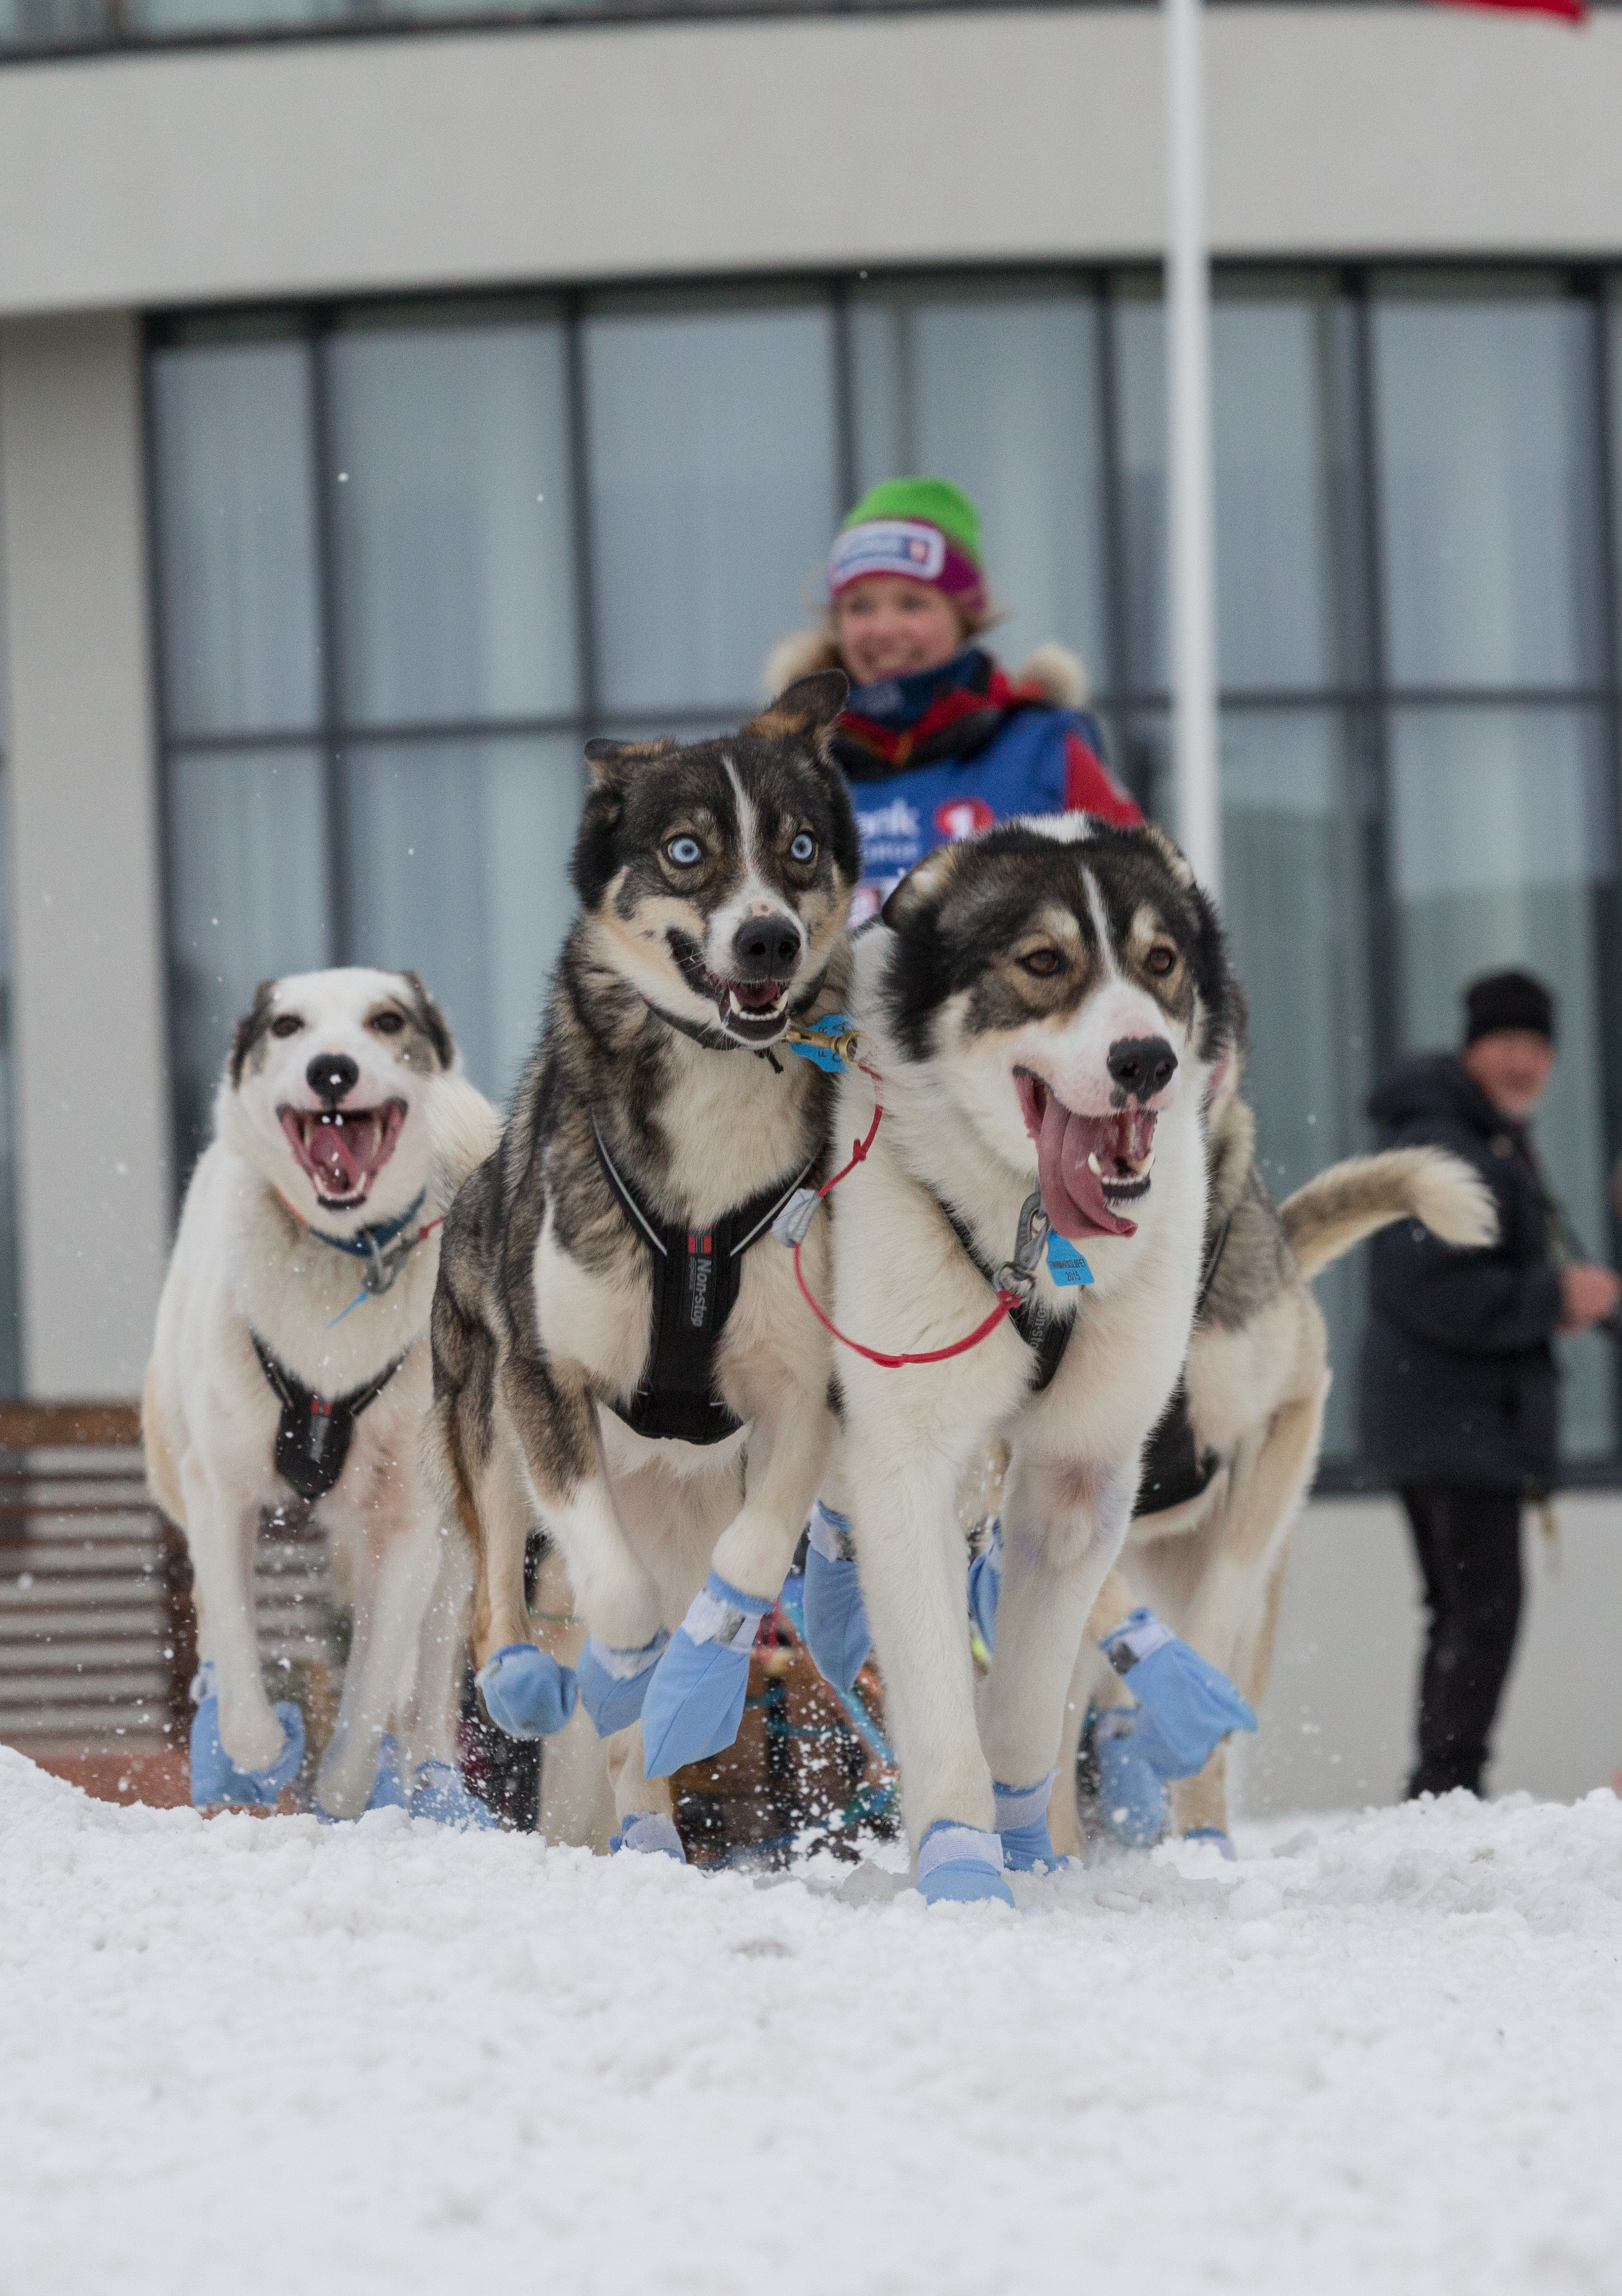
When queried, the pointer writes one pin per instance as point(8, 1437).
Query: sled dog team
point(614, 1318)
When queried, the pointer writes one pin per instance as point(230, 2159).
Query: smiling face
point(718, 876)
point(324, 1087)
point(1066, 983)
point(888, 626)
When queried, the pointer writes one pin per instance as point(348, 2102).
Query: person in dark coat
point(1459, 1393)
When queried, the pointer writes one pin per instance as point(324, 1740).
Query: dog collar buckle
point(1019, 1274)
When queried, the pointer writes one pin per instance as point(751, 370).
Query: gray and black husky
point(621, 1354)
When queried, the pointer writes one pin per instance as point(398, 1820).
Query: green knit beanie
point(926, 529)
point(937, 501)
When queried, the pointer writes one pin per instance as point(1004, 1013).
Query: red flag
point(1575, 11)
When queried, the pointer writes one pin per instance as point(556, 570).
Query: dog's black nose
point(330, 1075)
point(1141, 1065)
point(767, 949)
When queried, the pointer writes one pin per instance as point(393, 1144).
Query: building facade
point(385, 407)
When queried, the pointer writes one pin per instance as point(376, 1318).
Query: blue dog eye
point(804, 846)
point(686, 852)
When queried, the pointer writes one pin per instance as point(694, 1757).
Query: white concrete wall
point(87, 981)
point(551, 154)
point(1337, 1726)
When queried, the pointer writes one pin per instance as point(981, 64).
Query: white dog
point(1043, 1003)
point(290, 1367)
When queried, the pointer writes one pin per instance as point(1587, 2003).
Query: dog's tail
point(463, 1130)
point(1353, 1200)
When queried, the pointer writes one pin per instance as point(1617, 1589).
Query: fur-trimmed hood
point(1059, 673)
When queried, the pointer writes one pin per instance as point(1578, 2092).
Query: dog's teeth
point(1093, 1166)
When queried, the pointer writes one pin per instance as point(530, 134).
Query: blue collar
point(367, 1241)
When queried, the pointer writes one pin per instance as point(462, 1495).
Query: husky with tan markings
point(1043, 1002)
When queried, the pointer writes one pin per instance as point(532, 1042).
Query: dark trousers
point(1468, 1546)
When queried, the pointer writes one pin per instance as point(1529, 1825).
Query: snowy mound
point(1380, 2053)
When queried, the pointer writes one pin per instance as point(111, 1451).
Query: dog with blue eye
point(623, 1356)
point(290, 1375)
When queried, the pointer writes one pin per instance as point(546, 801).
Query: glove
point(695, 1700)
point(215, 1776)
point(985, 1585)
point(958, 1864)
point(529, 1694)
point(440, 1795)
point(1028, 1846)
point(1131, 1799)
point(1187, 1707)
point(613, 1683)
point(837, 1633)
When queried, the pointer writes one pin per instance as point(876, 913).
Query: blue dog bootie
point(613, 1683)
point(695, 1700)
point(1028, 1846)
point(529, 1694)
point(1188, 1707)
point(649, 1833)
point(960, 1866)
point(1131, 1799)
point(388, 1786)
point(1215, 1834)
point(985, 1585)
point(440, 1794)
point(837, 1633)
point(215, 1776)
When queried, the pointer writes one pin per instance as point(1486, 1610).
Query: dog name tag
point(1065, 1264)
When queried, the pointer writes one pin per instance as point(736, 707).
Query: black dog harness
point(696, 1274)
point(1044, 1333)
point(1174, 1469)
point(314, 1432)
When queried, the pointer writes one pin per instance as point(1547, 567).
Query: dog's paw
point(1028, 1846)
point(1187, 1706)
point(440, 1794)
point(649, 1833)
point(960, 1866)
point(695, 1700)
point(215, 1779)
point(529, 1694)
point(1132, 1807)
point(837, 1633)
point(614, 1683)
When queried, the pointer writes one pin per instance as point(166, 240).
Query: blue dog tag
point(1065, 1264)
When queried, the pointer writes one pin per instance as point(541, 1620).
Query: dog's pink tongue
point(1072, 1193)
point(338, 1153)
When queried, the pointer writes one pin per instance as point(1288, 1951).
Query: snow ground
point(1380, 2052)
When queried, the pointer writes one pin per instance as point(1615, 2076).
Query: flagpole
point(1191, 536)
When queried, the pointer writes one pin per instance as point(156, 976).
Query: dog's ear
point(809, 706)
point(921, 890)
point(614, 763)
point(431, 1020)
point(1175, 858)
point(251, 1027)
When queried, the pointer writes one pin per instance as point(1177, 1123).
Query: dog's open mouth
point(343, 1149)
point(756, 1011)
point(1088, 1167)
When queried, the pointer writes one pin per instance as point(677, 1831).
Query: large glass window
point(410, 558)
point(10, 1327)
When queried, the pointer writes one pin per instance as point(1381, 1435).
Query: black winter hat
point(1508, 1000)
